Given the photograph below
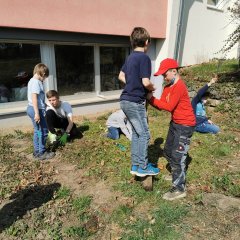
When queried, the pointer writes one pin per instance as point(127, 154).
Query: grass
point(60, 213)
point(204, 71)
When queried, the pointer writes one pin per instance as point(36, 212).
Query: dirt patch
point(217, 216)
point(221, 201)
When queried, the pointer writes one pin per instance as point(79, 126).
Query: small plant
point(77, 232)
point(121, 214)
point(19, 134)
point(55, 231)
point(63, 192)
point(13, 231)
point(227, 184)
point(223, 150)
point(81, 204)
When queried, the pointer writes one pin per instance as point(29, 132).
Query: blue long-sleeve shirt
point(196, 101)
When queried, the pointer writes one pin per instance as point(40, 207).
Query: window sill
point(214, 8)
point(79, 99)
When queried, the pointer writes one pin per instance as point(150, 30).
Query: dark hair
point(139, 36)
point(52, 93)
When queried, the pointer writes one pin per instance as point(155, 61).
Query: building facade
point(85, 43)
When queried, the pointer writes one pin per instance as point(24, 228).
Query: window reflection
point(111, 60)
point(17, 61)
point(75, 69)
point(213, 2)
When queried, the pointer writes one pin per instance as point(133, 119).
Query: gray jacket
point(119, 120)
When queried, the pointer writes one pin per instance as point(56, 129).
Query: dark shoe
point(35, 155)
point(174, 194)
point(46, 155)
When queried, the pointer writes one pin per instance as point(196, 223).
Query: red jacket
point(175, 99)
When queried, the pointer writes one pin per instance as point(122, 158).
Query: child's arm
point(70, 124)
point(121, 77)
point(35, 107)
point(201, 92)
point(148, 84)
point(167, 106)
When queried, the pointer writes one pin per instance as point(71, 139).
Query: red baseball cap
point(165, 65)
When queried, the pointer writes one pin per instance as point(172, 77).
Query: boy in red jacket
point(175, 99)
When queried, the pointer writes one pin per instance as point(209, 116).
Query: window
point(75, 69)
point(213, 2)
point(111, 61)
point(17, 61)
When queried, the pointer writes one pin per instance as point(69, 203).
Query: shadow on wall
point(24, 201)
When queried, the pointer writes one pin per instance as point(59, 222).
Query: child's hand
point(213, 80)
point(36, 118)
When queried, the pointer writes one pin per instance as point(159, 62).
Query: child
point(36, 111)
point(59, 115)
point(204, 125)
point(136, 73)
point(175, 99)
point(118, 123)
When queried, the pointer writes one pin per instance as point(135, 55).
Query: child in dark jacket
point(203, 125)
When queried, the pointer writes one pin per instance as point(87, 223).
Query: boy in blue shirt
point(136, 73)
point(36, 111)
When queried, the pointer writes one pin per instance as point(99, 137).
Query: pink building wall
point(115, 17)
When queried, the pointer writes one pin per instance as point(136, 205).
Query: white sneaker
point(168, 177)
point(173, 194)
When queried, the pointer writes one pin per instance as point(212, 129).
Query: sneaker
point(134, 169)
point(35, 155)
point(173, 194)
point(168, 177)
point(46, 155)
point(153, 165)
point(150, 170)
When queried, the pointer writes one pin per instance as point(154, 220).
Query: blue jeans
point(206, 127)
point(113, 133)
point(137, 116)
point(40, 131)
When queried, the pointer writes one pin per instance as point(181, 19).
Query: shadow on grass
point(155, 151)
point(25, 200)
point(83, 128)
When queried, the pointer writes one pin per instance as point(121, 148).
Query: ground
point(46, 192)
point(87, 192)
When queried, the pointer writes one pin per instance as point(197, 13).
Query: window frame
point(47, 56)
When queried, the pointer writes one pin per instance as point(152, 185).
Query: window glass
point(111, 60)
point(16, 66)
point(75, 69)
point(213, 2)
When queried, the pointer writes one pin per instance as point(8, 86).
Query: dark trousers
point(175, 150)
point(54, 121)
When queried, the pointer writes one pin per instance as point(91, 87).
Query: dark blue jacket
point(196, 100)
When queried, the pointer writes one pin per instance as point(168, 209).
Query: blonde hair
point(41, 69)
